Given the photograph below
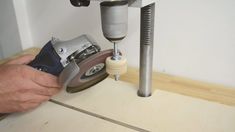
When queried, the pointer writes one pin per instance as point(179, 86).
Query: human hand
point(22, 87)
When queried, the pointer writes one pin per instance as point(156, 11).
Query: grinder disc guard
point(92, 71)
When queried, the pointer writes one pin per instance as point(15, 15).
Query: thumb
point(24, 59)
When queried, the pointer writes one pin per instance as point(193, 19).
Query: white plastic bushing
point(116, 67)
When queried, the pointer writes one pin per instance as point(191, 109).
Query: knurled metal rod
point(146, 50)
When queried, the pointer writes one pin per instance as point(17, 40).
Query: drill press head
point(114, 19)
point(114, 15)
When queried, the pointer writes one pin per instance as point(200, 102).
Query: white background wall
point(9, 35)
point(193, 38)
point(24, 26)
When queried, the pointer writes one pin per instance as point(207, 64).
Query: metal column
point(146, 50)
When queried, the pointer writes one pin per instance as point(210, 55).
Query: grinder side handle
point(47, 60)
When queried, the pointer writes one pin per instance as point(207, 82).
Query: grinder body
point(56, 54)
point(79, 63)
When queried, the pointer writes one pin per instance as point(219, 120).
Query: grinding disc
point(92, 71)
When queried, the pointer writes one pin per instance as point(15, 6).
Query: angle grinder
point(79, 63)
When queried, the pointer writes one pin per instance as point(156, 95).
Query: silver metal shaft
point(146, 50)
point(115, 49)
point(116, 57)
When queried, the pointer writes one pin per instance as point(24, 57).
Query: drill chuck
point(114, 19)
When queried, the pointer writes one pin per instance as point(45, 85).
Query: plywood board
point(163, 111)
point(51, 117)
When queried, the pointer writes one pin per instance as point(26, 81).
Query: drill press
point(146, 34)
